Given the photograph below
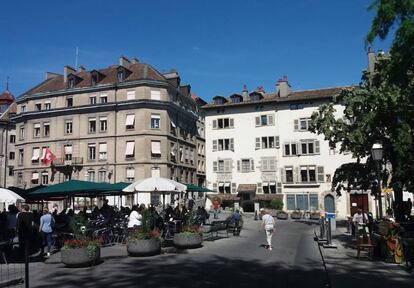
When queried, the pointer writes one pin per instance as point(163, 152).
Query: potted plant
point(296, 214)
point(282, 215)
point(190, 235)
point(315, 215)
point(145, 240)
point(81, 252)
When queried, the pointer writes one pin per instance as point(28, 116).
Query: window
point(288, 174)
point(155, 121)
point(302, 201)
point(38, 106)
point(268, 164)
point(21, 157)
point(223, 165)
point(46, 129)
point(11, 156)
point(20, 178)
point(130, 95)
point(103, 98)
point(21, 133)
point(92, 100)
point(35, 177)
point(102, 176)
point(103, 154)
point(307, 174)
point(130, 175)
point(47, 105)
point(156, 149)
point(155, 172)
point(94, 79)
point(91, 151)
point(173, 127)
point(121, 76)
point(130, 149)
point(12, 138)
point(69, 102)
point(68, 127)
point(309, 147)
point(45, 178)
point(130, 122)
point(290, 149)
point(301, 124)
point(92, 125)
point(23, 108)
point(91, 176)
point(103, 124)
point(245, 165)
point(223, 144)
point(71, 83)
point(35, 155)
point(155, 95)
point(11, 171)
point(313, 202)
point(267, 142)
point(264, 120)
point(68, 152)
point(223, 123)
point(36, 130)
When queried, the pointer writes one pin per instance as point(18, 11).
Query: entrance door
point(329, 202)
point(358, 201)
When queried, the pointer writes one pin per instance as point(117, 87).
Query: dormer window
point(255, 96)
point(71, 83)
point(94, 79)
point(236, 98)
point(219, 100)
point(121, 76)
point(73, 80)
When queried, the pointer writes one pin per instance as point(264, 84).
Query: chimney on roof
point(134, 60)
point(123, 61)
point(66, 71)
point(283, 88)
point(245, 93)
point(50, 75)
point(372, 59)
point(82, 68)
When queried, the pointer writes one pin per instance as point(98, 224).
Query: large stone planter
point(143, 247)
point(282, 215)
point(295, 215)
point(188, 240)
point(79, 257)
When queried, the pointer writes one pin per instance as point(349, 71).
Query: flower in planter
point(147, 229)
point(92, 245)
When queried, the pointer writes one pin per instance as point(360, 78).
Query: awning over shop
point(246, 188)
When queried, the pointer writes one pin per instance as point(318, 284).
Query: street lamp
point(377, 154)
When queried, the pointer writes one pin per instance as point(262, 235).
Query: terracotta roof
point(246, 188)
point(138, 71)
point(274, 97)
point(6, 95)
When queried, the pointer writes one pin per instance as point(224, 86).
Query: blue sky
point(216, 45)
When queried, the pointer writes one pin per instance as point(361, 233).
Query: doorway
point(358, 201)
point(329, 203)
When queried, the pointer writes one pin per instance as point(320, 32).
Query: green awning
point(195, 188)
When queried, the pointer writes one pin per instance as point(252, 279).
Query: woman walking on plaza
point(45, 228)
point(268, 223)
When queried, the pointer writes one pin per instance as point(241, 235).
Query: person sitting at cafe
point(361, 220)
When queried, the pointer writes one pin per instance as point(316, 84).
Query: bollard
point(322, 228)
point(256, 216)
point(329, 235)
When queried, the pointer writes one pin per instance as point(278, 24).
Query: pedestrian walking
point(25, 230)
point(268, 224)
point(46, 231)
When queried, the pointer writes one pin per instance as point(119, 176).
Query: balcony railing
point(64, 162)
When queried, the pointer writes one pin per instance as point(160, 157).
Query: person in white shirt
point(268, 223)
point(134, 218)
point(361, 220)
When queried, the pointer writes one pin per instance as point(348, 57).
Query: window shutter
point(283, 175)
point(227, 165)
point(257, 121)
point(214, 124)
point(233, 187)
point(238, 165)
point(231, 144)
point(252, 164)
point(270, 120)
point(259, 188)
point(321, 174)
point(298, 148)
point(215, 168)
point(231, 123)
point(296, 124)
point(257, 143)
point(317, 147)
point(214, 145)
point(279, 187)
point(264, 164)
point(215, 187)
point(272, 164)
point(277, 142)
point(296, 175)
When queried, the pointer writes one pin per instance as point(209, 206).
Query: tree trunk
point(399, 204)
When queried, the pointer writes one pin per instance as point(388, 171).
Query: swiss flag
point(48, 157)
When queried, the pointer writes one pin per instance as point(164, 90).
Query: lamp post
point(377, 154)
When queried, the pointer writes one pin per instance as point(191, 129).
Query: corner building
point(121, 123)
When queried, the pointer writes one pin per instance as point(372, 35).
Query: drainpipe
point(6, 158)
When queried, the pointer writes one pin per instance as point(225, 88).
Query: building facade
point(259, 147)
point(121, 123)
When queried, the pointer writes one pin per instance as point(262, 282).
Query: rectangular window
point(291, 203)
point(11, 156)
point(103, 151)
point(38, 106)
point(264, 120)
point(156, 149)
point(23, 108)
point(91, 176)
point(267, 142)
point(68, 127)
point(130, 175)
point(289, 174)
point(92, 100)
point(35, 177)
point(21, 133)
point(302, 202)
point(36, 155)
point(130, 95)
point(102, 176)
point(36, 130)
point(246, 165)
point(21, 157)
point(45, 178)
point(308, 174)
point(11, 171)
point(46, 129)
point(12, 138)
point(301, 124)
point(223, 123)
point(92, 125)
point(290, 149)
point(130, 122)
point(47, 105)
point(92, 151)
point(103, 98)
point(103, 124)
point(155, 121)
point(313, 202)
point(69, 102)
point(223, 144)
point(309, 147)
point(155, 95)
point(68, 152)
point(130, 149)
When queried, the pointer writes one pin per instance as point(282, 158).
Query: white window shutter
point(277, 142)
point(231, 123)
point(272, 164)
point(215, 187)
point(283, 175)
point(259, 187)
point(214, 145)
point(258, 121)
point(296, 124)
point(317, 147)
point(257, 146)
point(214, 124)
point(321, 174)
point(233, 187)
point(231, 144)
point(263, 164)
point(270, 120)
point(279, 188)
point(296, 175)
point(252, 164)
point(238, 165)
point(227, 165)
point(215, 166)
